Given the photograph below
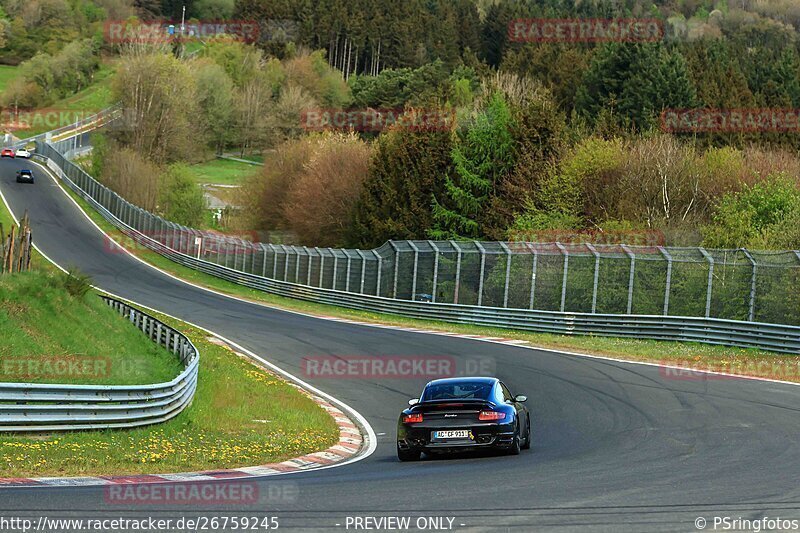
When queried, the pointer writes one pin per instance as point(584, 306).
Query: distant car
point(463, 413)
point(24, 176)
point(7, 152)
point(23, 153)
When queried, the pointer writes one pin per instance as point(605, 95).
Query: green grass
point(7, 73)
point(222, 172)
point(93, 98)
point(241, 415)
point(45, 329)
point(675, 353)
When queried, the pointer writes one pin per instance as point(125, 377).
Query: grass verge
point(222, 172)
point(241, 415)
point(95, 97)
point(740, 361)
point(52, 336)
point(7, 73)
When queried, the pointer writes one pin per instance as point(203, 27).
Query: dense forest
point(540, 136)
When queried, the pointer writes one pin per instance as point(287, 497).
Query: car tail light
point(412, 418)
point(491, 415)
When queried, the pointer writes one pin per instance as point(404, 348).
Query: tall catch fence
point(746, 285)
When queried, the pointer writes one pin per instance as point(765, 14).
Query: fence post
point(414, 273)
point(308, 276)
point(458, 270)
point(710, 279)
point(535, 253)
point(632, 256)
point(321, 267)
point(396, 266)
point(483, 267)
point(564, 275)
point(596, 255)
point(435, 269)
point(274, 261)
point(363, 269)
point(378, 276)
point(668, 284)
point(335, 264)
point(296, 251)
point(285, 263)
point(508, 273)
point(752, 309)
point(264, 262)
point(228, 253)
point(347, 275)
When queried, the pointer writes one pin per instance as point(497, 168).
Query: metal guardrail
point(749, 334)
point(30, 407)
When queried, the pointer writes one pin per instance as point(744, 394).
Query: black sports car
point(24, 175)
point(463, 413)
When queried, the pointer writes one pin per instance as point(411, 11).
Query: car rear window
point(462, 390)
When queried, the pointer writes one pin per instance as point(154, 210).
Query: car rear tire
point(527, 444)
point(515, 445)
point(408, 455)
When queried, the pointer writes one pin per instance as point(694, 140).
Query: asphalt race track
point(617, 447)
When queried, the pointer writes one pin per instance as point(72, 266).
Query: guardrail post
point(482, 251)
point(632, 257)
point(710, 279)
point(396, 266)
point(508, 273)
point(458, 270)
point(535, 262)
point(564, 276)
point(752, 306)
point(668, 283)
point(378, 274)
point(363, 269)
point(435, 269)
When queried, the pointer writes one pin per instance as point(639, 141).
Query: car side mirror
point(520, 398)
point(413, 401)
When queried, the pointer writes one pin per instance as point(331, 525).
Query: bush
point(765, 215)
point(181, 199)
point(319, 206)
point(265, 194)
point(46, 78)
point(76, 283)
point(131, 176)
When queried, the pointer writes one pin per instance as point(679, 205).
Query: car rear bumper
point(24, 180)
point(482, 436)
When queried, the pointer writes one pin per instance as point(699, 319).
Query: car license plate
point(452, 434)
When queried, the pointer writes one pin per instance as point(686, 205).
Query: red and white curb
point(351, 443)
